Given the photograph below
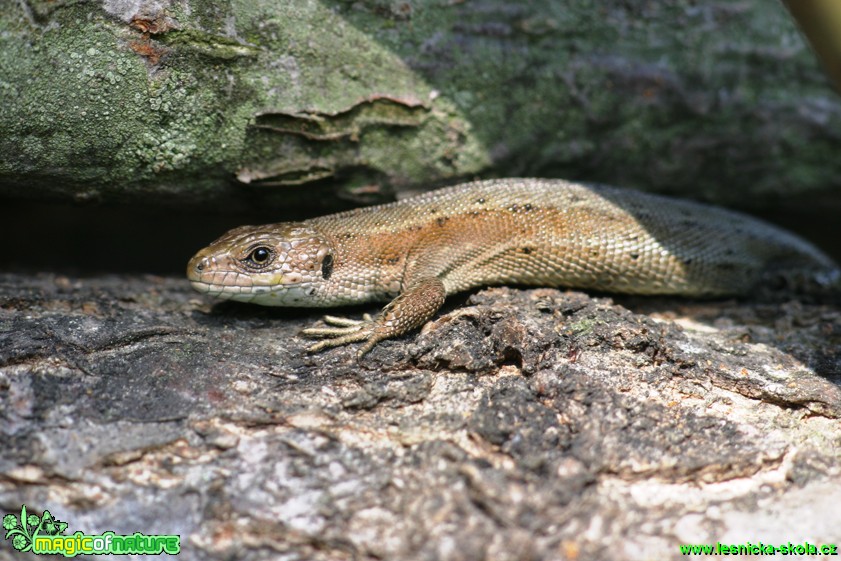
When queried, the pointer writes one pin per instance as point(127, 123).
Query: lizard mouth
point(238, 282)
point(220, 291)
point(228, 290)
point(277, 294)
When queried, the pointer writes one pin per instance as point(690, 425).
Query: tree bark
point(242, 103)
point(521, 424)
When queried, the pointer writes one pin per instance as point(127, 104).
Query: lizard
point(542, 232)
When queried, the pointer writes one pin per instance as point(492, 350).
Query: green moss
point(583, 327)
point(208, 44)
point(426, 92)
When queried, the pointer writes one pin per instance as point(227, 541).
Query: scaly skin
point(415, 252)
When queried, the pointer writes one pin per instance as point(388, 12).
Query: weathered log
point(209, 102)
point(522, 424)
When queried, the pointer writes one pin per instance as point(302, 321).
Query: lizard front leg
point(411, 309)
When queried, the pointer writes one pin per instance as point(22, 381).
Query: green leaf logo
point(22, 531)
point(51, 526)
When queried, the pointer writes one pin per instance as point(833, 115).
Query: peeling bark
point(520, 424)
point(190, 100)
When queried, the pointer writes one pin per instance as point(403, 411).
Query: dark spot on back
point(481, 200)
point(433, 211)
point(442, 220)
point(635, 256)
point(526, 250)
point(527, 207)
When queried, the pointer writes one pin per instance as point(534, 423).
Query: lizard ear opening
point(327, 266)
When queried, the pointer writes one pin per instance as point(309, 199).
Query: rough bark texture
point(527, 425)
point(192, 99)
point(522, 424)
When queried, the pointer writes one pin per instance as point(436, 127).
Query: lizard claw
point(345, 322)
point(346, 331)
point(412, 308)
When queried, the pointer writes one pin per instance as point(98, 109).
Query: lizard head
point(274, 265)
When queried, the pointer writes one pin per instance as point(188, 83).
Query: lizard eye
point(259, 255)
